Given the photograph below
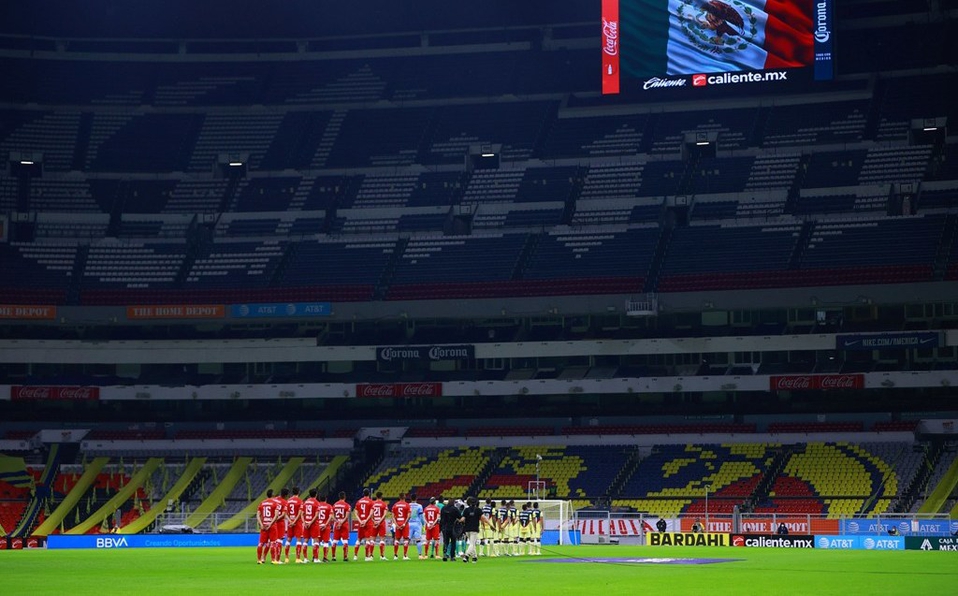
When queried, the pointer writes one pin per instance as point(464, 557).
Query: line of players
point(504, 530)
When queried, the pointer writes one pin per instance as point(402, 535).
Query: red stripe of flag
point(788, 34)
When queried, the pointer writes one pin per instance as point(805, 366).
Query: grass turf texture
point(234, 571)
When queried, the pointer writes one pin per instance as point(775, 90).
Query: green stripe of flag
point(645, 37)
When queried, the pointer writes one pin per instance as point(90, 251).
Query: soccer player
point(487, 529)
point(525, 530)
point(266, 515)
point(401, 512)
point(536, 529)
point(279, 527)
point(378, 526)
point(294, 524)
point(415, 523)
point(324, 519)
point(513, 535)
point(502, 529)
point(310, 527)
point(363, 510)
point(341, 511)
point(430, 515)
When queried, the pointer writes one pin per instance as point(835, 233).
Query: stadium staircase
point(83, 142)
point(276, 485)
point(483, 476)
point(764, 487)
point(626, 472)
point(912, 492)
point(528, 249)
point(41, 494)
point(218, 495)
point(118, 499)
point(943, 255)
point(658, 258)
point(147, 519)
point(795, 261)
point(197, 485)
point(940, 494)
point(69, 502)
point(385, 281)
point(794, 191)
point(325, 481)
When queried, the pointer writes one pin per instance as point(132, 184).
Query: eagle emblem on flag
point(718, 27)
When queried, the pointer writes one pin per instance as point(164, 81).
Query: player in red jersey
point(378, 525)
point(324, 521)
point(430, 514)
point(341, 510)
point(310, 527)
point(280, 527)
point(266, 515)
point(364, 508)
point(401, 512)
point(294, 525)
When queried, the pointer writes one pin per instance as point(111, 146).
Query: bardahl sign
point(427, 353)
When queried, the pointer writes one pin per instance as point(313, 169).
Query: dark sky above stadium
point(300, 18)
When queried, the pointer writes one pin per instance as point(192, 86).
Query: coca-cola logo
point(377, 390)
point(610, 33)
point(839, 382)
point(421, 389)
point(812, 382)
point(796, 382)
point(399, 390)
point(68, 392)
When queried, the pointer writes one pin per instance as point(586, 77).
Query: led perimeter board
point(649, 45)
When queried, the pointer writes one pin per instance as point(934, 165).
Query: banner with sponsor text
point(281, 310)
point(815, 382)
point(437, 353)
point(931, 543)
point(618, 526)
point(399, 390)
point(904, 527)
point(772, 541)
point(54, 392)
point(888, 341)
point(860, 542)
point(118, 541)
point(34, 312)
point(175, 311)
point(798, 524)
point(686, 539)
point(610, 46)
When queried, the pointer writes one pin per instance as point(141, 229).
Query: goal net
point(557, 524)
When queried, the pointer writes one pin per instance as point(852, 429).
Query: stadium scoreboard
point(653, 45)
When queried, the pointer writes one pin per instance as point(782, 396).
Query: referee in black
point(447, 524)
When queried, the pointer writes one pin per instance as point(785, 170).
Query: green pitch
point(179, 572)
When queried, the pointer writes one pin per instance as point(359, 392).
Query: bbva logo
point(111, 542)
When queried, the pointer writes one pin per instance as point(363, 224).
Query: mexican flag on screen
point(703, 36)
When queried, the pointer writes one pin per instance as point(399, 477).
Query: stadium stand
point(819, 210)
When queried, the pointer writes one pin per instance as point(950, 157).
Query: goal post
point(557, 522)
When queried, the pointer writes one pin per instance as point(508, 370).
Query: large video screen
point(668, 44)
